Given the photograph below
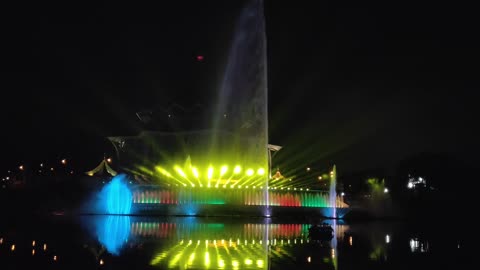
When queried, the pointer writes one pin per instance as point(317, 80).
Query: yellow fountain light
point(195, 172)
point(180, 171)
point(223, 170)
point(163, 171)
point(248, 262)
point(261, 171)
point(210, 172)
point(250, 172)
point(237, 169)
point(207, 259)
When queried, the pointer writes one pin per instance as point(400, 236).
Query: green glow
point(261, 171)
point(250, 172)
point(237, 169)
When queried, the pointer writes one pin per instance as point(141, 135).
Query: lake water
point(122, 242)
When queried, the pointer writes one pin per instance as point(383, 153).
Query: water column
point(333, 192)
point(242, 98)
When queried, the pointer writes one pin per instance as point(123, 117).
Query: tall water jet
point(243, 94)
point(333, 191)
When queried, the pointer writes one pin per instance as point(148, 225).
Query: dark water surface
point(122, 242)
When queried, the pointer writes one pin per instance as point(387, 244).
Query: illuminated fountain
point(223, 169)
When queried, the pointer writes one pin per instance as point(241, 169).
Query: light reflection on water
point(128, 242)
point(183, 243)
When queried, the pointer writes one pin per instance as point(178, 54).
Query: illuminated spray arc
point(196, 172)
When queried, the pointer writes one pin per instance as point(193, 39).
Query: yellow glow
point(250, 172)
point(191, 258)
point(210, 172)
point(223, 170)
point(1, 241)
point(55, 257)
point(319, 178)
point(195, 172)
point(64, 161)
point(33, 243)
point(101, 262)
point(207, 259)
point(44, 246)
point(261, 171)
point(109, 160)
point(260, 263)
point(235, 263)
point(33, 252)
point(221, 263)
point(180, 171)
point(309, 259)
point(163, 171)
point(237, 169)
point(248, 261)
point(12, 248)
point(308, 169)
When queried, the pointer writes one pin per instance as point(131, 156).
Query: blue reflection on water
point(116, 197)
point(113, 232)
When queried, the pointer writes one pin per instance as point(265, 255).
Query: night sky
point(362, 84)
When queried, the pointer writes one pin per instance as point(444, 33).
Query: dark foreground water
point(122, 242)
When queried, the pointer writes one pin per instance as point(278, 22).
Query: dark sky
point(359, 83)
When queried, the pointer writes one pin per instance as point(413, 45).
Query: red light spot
point(200, 58)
